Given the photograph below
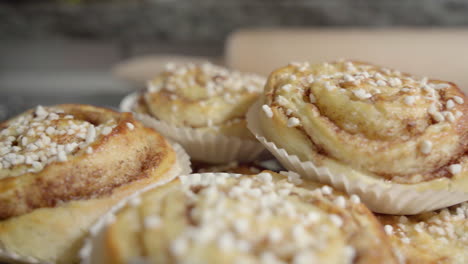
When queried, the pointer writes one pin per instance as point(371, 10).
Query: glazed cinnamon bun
point(61, 167)
point(203, 107)
point(233, 218)
point(370, 124)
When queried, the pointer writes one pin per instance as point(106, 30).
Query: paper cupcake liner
point(379, 195)
point(91, 252)
point(182, 167)
point(200, 145)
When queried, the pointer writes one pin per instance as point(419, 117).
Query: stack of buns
point(373, 169)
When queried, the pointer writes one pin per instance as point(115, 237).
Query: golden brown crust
point(126, 157)
point(434, 237)
point(204, 222)
point(66, 225)
point(203, 96)
point(379, 122)
point(119, 157)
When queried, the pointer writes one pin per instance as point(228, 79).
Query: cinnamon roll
point(233, 218)
point(203, 107)
point(62, 167)
point(433, 237)
point(370, 124)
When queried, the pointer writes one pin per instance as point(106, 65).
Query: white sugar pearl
point(361, 94)
point(409, 100)
point(293, 122)
point(388, 229)
point(355, 199)
point(458, 99)
point(130, 126)
point(267, 110)
point(455, 168)
point(450, 104)
point(426, 146)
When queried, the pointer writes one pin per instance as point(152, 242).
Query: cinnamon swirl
point(201, 104)
point(233, 218)
point(370, 124)
point(62, 167)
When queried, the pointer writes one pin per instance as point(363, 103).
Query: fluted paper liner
point(91, 252)
point(200, 145)
point(182, 167)
point(379, 195)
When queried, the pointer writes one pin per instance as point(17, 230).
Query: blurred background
point(90, 51)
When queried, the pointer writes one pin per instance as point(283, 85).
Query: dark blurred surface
point(210, 21)
point(61, 51)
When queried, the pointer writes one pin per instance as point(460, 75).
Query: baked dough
point(229, 218)
point(433, 237)
point(66, 165)
point(369, 122)
point(202, 96)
